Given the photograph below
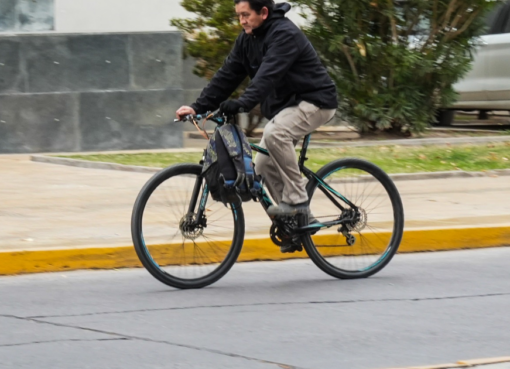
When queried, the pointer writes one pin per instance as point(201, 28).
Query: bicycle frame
point(266, 202)
point(324, 187)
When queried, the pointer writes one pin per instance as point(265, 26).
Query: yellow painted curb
point(253, 250)
point(462, 364)
point(494, 360)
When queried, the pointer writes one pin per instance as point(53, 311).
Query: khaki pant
point(280, 170)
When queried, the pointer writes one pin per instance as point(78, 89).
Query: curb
point(476, 363)
point(254, 249)
point(142, 169)
point(417, 142)
point(92, 164)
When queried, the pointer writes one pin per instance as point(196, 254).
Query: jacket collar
point(278, 13)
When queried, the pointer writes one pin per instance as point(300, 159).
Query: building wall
point(86, 92)
point(123, 15)
point(86, 75)
point(26, 15)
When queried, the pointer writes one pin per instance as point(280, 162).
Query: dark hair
point(257, 5)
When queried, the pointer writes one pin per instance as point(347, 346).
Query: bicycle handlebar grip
point(190, 117)
point(186, 118)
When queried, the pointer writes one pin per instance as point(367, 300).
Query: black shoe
point(290, 248)
point(296, 244)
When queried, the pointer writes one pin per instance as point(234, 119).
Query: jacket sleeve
point(224, 82)
point(281, 54)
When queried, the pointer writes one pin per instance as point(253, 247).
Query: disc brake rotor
point(189, 229)
point(361, 222)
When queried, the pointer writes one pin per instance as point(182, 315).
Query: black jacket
point(283, 67)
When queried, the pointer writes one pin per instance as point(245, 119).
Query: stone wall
point(86, 92)
point(26, 15)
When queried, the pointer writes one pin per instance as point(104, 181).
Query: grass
point(159, 160)
point(393, 159)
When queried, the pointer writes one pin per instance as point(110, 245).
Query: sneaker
point(288, 209)
point(312, 220)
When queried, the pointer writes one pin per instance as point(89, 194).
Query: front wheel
point(369, 234)
point(183, 245)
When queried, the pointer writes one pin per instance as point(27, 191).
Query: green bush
point(395, 61)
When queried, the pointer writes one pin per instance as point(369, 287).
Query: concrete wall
point(26, 15)
point(73, 90)
point(124, 15)
point(116, 15)
point(86, 92)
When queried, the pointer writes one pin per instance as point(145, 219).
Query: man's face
point(249, 18)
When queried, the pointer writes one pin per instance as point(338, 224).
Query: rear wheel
point(366, 243)
point(175, 244)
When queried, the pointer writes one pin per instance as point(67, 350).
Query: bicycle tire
point(358, 260)
point(165, 260)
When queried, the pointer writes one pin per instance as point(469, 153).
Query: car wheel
point(445, 117)
point(483, 115)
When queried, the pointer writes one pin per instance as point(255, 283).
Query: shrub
point(395, 61)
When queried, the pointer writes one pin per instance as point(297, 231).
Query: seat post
point(304, 149)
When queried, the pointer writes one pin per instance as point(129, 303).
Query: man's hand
point(183, 111)
point(231, 107)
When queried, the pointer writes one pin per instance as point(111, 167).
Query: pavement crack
point(64, 340)
point(120, 336)
point(332, 302)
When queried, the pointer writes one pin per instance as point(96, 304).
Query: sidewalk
point(58, 207)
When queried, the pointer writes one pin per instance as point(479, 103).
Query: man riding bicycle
point(294, 89)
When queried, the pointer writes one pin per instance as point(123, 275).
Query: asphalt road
point(422, 309)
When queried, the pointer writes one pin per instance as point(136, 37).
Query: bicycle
point(359, 221)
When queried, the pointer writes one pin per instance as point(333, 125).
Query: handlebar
point(190, 117)
point(218, 118)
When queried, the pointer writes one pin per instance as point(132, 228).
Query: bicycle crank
point(282, 232)
point(279, 236)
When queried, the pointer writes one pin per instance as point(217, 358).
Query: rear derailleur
point(356, 221)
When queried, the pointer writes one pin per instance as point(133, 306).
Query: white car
point(487, 86)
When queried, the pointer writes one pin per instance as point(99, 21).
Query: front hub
point(189, 228)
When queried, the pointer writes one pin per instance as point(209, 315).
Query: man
point(294, 89)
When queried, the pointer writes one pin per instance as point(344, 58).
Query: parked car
point(487, 86)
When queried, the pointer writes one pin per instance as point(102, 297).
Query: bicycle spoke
point(368, 227)
point(204, 243)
